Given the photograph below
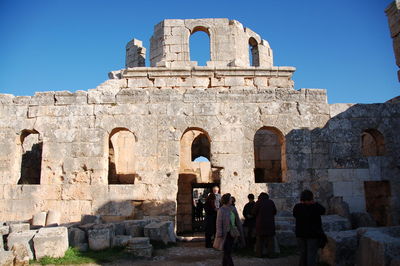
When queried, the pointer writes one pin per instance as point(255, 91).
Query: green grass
point(74, 256)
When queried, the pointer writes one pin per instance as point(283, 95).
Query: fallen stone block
point(335, 223)
point(110, 227)
point(6, 258)
point(19, 227)
point(378, 247)
point(39, 219)
point(21, 254)
point(51, 242)
point(120, 240)
point(119, 228)
point(86, 227)
point(53, 218)
point(76, 237)
point(140, 247)
point(82, 247)
point(157, 232)
point(90, 219)
point(145, 252)
point(286, 238)
point(99, 239)
point(135, 228)
point(4, 230)
point(25, 237)
point(135, 242)
point(341, 248)
point(361, 219)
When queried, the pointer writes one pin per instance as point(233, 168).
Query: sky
point(343, 46)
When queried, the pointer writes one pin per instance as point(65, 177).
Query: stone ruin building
point(129, 147)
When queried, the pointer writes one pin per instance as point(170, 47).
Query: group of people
point(224, 229)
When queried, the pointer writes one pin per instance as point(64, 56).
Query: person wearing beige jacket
point(229, 228)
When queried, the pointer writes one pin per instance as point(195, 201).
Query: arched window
point(254, 55)
point(31, 162)
point(199, 44)
point(269, 156)
point(201, 147)
point(372, 143)
point(121, 159)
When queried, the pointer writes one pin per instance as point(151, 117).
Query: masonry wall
point(322, 143)
point(393, 14)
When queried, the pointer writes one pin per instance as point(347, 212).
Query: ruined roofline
point(229, 45)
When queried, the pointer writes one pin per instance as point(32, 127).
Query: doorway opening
point(377, 201)
point(200, 192)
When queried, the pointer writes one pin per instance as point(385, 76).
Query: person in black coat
point(210, 219)
point(309, 230)
point(264, 211)
point(249, 221)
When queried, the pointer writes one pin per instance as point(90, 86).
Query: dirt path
point(195, 254)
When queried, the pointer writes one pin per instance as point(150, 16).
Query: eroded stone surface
point(341, 248)
point(6, 258)
point(51, 242)
point(99, 239)
point(21, 254)
point(25, 238)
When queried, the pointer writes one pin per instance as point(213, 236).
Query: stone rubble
point(140, 247)
point(25, 238)
point(21, 254)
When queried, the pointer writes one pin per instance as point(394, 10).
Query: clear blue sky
point(343, 45)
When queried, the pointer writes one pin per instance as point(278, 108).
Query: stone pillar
point(393, 14)
point(135, 54)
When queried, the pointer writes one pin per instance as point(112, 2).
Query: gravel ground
point(195, 254)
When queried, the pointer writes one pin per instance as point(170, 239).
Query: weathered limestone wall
point(322, 145)
point(229, 43)
point(131, 130)
point(393, 14)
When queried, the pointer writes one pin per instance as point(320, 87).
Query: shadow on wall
point(136, 209)
point(31, 165)
point(339, 148)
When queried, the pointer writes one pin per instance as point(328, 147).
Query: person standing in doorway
point(249, 221)
point(264, 211)
point(210, 219)
point(215, 191)
point(309, 230)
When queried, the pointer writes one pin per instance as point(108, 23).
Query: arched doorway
point(195, 180)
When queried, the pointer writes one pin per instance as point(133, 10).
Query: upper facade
point(229, 44)
point(232, 48)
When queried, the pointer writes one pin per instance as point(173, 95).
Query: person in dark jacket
point(249, 221)
point(308, 227)
point(210, 219)
point(264, 211)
